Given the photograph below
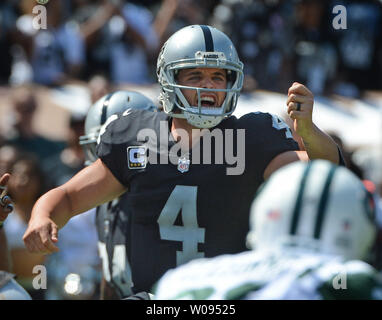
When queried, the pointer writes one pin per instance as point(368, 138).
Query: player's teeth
point(208, 99)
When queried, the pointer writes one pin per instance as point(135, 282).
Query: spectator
point(360, 48)
point(187, 12)
point(121, 36)
point(8, 156)
point(164, 17)
point(98, 86)
point(7, 22)
point(22, 134)
point(93, 20)
point(259, 30)
point(58, 52)
point(315, 57)
point(61, 166)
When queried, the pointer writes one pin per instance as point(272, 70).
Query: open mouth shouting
point(208, 101)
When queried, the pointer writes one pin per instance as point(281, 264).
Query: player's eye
point(194, 78)
point(218, 78)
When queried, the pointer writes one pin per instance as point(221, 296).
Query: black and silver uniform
point(113, 229)
point(176, 215)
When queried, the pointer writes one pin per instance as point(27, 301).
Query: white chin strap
point(203, 122)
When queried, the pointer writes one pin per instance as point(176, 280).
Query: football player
point(112, 217)
point(313, 236)
point(9, 288)
point(182, 208)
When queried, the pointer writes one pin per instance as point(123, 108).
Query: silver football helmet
point(102, 109)
point(198, 46)
point(317, 206)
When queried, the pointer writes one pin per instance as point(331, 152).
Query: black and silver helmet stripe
point(323, 203)
point(297, 207)
point(208, 38)
point(104, 108)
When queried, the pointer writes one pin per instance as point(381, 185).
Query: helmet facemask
point(89, 145)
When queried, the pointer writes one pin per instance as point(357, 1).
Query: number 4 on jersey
point(182, 200)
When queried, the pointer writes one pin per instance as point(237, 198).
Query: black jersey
point(113, 228)
point(192, 208)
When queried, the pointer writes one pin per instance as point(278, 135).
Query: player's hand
point(300, 108)
point(41, 236)
point(6, 206)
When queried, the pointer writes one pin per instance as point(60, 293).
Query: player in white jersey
point(313, 237)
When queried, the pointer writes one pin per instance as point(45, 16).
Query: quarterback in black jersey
point(187, 194)
point(177, 216)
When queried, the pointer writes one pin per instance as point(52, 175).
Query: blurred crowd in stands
point(278, 41)
point(104, 44)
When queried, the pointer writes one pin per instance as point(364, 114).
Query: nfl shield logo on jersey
point(183, 164)
point(136, 157)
